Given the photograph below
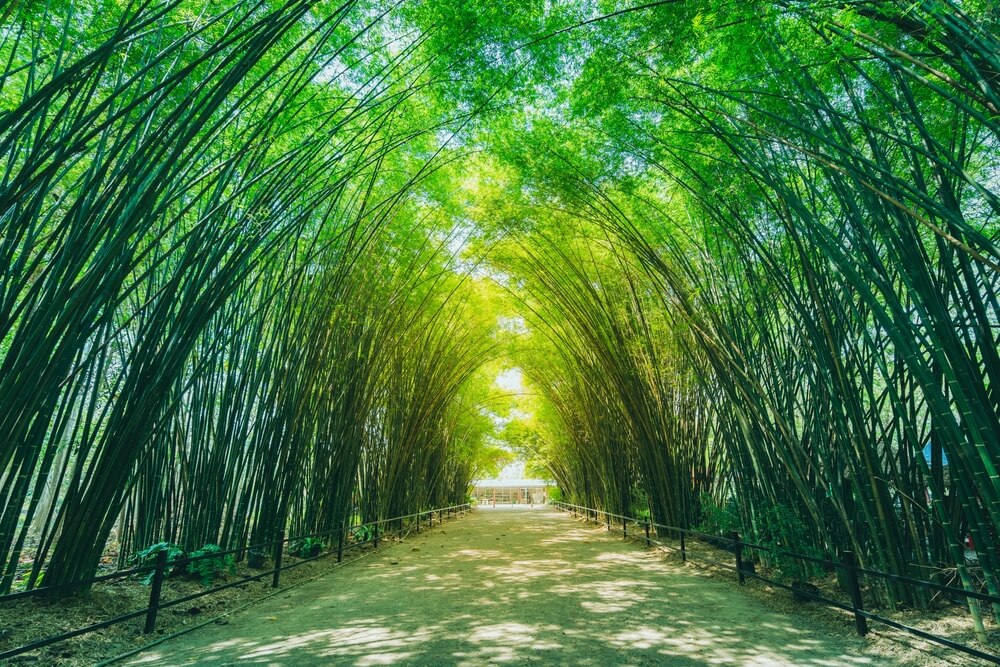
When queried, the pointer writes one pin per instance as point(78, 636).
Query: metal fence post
point(154, 591)
point(850, 564)
point(418, 523)
point(684, 555)
point(624, 528)
point(340, 541)
point(376, 533)
point(738, 544)
point(279, 551)
point(647, 534)
point(608, 519)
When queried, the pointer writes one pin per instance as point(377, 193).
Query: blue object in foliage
point(927, 455)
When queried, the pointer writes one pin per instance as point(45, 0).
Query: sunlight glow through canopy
point(512, 380)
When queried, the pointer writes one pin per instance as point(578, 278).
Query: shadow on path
point(513, 587)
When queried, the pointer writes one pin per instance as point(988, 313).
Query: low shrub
point(175, 557)
point(207, 566)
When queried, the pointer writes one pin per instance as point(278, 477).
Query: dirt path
point(513, 587)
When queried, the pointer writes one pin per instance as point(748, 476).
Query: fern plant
point(208, 567)
point(148, 556)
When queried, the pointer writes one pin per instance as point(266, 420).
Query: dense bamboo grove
point(246, 248)
point(218, 293)
point(821, 236)
point(757, 246)
point(638, 438)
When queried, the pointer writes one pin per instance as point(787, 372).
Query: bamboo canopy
point(262, 262)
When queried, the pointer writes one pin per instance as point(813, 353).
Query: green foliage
point(309, 547)
point(364, 533)
point(778, 528)
point(22, 581)
point(718, 519)
point(639, 505)
point(148, 556)
point(216, 211)
point(777, 286)
point(781, 529)
point(751, 247)
point(556, 494)
point(209, 567)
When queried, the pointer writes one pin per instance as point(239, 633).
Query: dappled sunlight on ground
point(503, 587)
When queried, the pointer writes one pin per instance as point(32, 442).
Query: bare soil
point(516, 587)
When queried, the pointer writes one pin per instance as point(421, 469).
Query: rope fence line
point(847, 564)
point(159, 569)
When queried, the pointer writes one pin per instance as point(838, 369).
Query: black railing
point(847, 564)
point(161, 565)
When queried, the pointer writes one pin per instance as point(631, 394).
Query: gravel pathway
point(513, 587)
